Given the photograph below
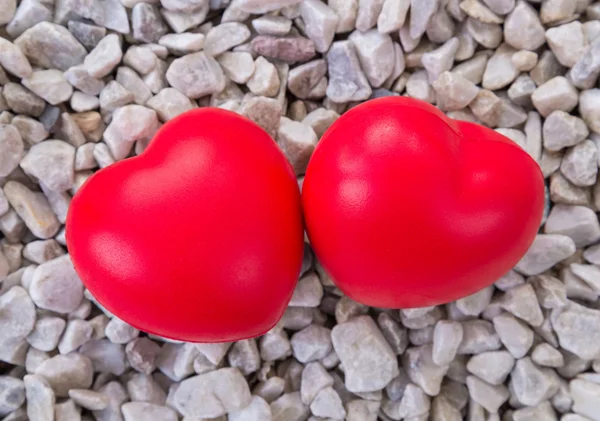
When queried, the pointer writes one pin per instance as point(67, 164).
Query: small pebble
point(523, 29)
point(369, 361)
point(556, 94)
point(546, 251)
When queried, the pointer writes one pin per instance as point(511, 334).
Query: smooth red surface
point(200, 238)
point(405, 207)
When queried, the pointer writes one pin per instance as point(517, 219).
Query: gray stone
point(487, 34)
point(11, 150)
point(272, 25)
point(311, 343)
point(133, 411)
point(447, 337)
point(33, 209)
point(42, 251)
point(182, 21)
point(257, 410)
point(89, 399)
point(479, 11)
point(441, 59)
point(556, 94)
point(51, 162)
point(524, 60)
point(376, 54)
point(81, 102)
point(18, 318)
point(588, 108)
point(590, 274)
point(147, 23)
point(31, 130)
point(22, 101)
point(396, 335)
point(266, 112)
point(475, 304)
point(586, 400)
point(46, 333)
point(177, 360)
point(545, 252)
point(347, 82)
point(122, 133)
point(143, 388)
point(530, 384)
point(298, 141)
point(105, 356)
point(441, 28)
point(546, 355)
point(287, 49)
point(418, 87)
point(393, 15)
point(88, 35)
point(320, 23)
point(289, 407)
point(13, 60)
point(28, 14)
point(576, 327)
point(114, 96)
point(196, 75)
point(418, 364)
point(224, 37)
point(489, 396)
point(265, 79)
point(65, 372)
point(362, 410)
point(577, 222)
point(562, 130)
point(212, 394)
point(104, 57)
point(141, 58)
point(576, 287)
point(12, 394)
point(51, 46)
point(580, 164)
point(568, 43)
point(304, 78)
point(368, 360)
point(453, 91)
point(81, 79)
point(117, 396)
point(550, 291)
point(500, 70)
point(421, 12)
point(557, 10)
point(141, 354)
point(523, 29)
point(563, 191)
point(130, 80)
point(478, 336)
point(547, 68)
point(40, 398)
point(522, 302)
point(492, 367)
point(237, 66)
point(414, 403)
point(119, 332)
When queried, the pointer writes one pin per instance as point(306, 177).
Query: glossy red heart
point(405, 207)
point(200, 238)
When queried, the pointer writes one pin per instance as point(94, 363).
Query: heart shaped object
point(200, 238)
point(405, 207)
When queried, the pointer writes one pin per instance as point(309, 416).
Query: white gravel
point(84, 84)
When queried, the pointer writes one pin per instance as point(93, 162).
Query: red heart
point(408, 208)
point(200, 238)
